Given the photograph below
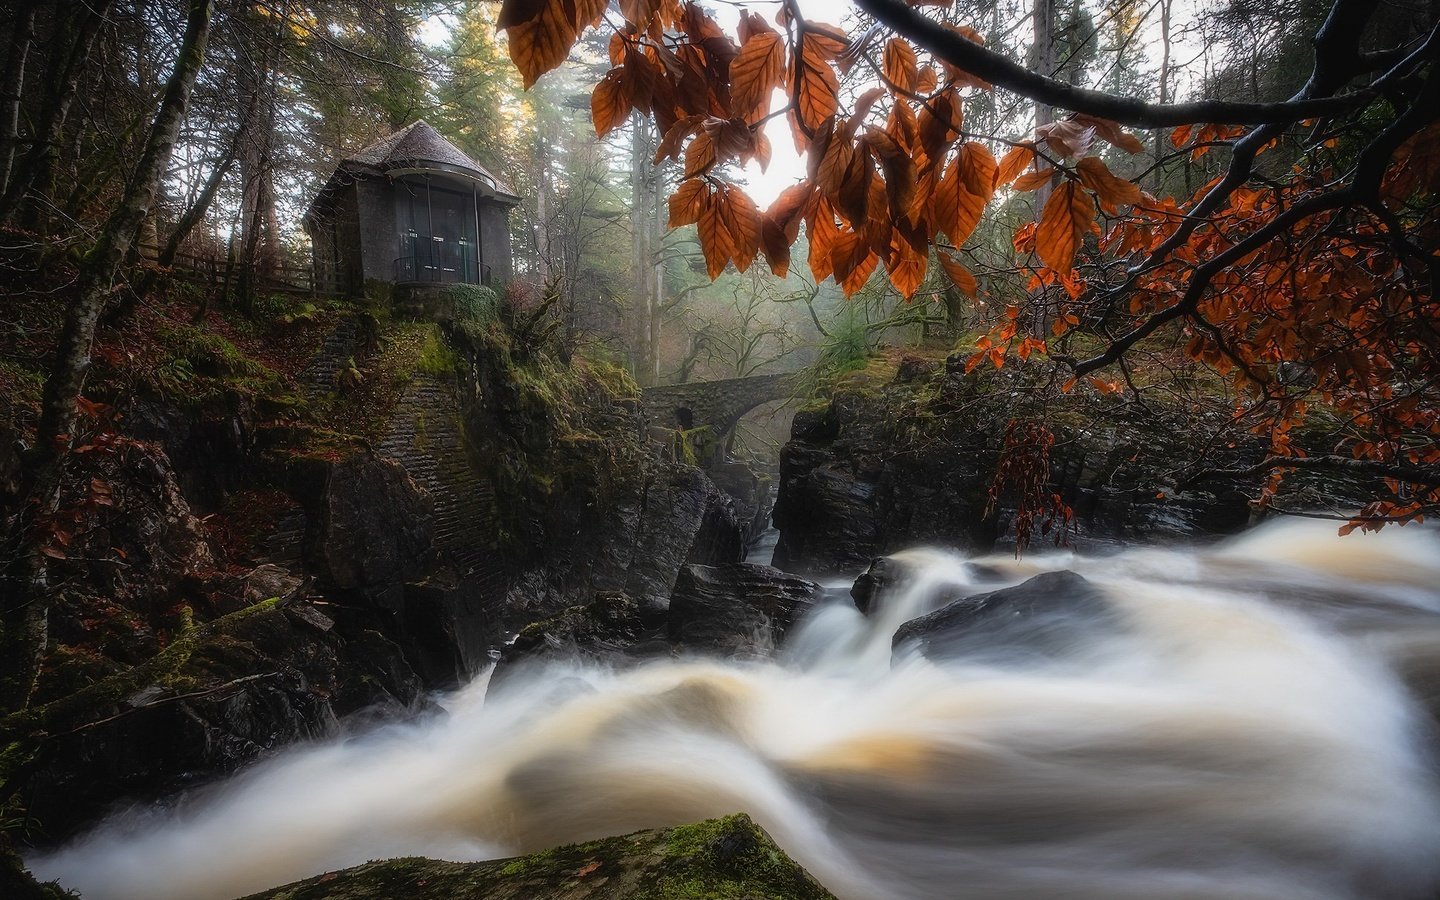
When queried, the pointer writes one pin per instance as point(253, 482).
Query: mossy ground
point(720, 859)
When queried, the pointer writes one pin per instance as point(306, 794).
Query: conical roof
point(419, 146)
point(415, 148)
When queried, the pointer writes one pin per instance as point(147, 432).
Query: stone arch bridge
point(719, 404)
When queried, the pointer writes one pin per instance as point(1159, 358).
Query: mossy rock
point(720, 859)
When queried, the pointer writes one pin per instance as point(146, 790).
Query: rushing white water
point(1234, 726)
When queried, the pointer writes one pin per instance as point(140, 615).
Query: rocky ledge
point(730, 858)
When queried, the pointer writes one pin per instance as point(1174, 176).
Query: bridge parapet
point(718, 404)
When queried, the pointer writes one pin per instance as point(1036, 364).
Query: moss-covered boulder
point(721, 859)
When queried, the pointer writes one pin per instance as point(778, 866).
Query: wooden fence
point(215, 269)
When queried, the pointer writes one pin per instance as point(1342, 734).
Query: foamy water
point(1234, 726)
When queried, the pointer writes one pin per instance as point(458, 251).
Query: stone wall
point(719, 403)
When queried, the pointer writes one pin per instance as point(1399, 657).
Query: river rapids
point(1245, 720)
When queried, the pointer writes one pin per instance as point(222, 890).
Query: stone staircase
point(426, 437)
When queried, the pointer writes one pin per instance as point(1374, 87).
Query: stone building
point(410, 208)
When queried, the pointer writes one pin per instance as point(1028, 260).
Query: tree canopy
point(1302, 272)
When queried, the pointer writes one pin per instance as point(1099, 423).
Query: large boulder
point(1047, 617)
point(608, 627)
point(740, 608)
point(722, 858)
point(138, 576)
point(373, 526)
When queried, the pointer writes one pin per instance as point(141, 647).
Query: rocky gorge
point(264, 550)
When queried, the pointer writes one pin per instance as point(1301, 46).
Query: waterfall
point(1245, 720)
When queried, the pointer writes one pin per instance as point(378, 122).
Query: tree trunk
point(39, 169)
point(1043, 59)
point(1160, 133)
point(641, 305)
point(23, 614)
point(11, 88)
point(192, 217)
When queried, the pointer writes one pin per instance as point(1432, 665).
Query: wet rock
point(731, 858)
point(913, 368)
point(139, 576)
point(1046, 617)
point(609, 626)
point(684, 517)
point(740, 608)
point(373, 527)
point(884, 575)
point(267, 581)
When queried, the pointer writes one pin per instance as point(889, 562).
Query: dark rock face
point(609, 626)
point(283, 674)
point(740, 608)
point(912, 462)
point(1043, 618)
point(845, 498)
point(373, 525)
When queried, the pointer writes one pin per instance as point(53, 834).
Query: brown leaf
point(927, 81)
point(902, 68)
point(823, 233)
point(688, 202)
point(700, 155)
point(755, 73)
point(817, 89)
point(1112, 190)
point(1068, 215)
point(1032, 180)
point(982, 172)
point(854, 195)
point(609, 105)
point(588, 13)
point(963, 192)
point(899, 169)
point(1111, 132)
point(940, 121)
point(1067, 138)
point(905, 265)
point(959, 275)
point(542, 42)
point(675, 137)
point(715, 240)
point(742, 219)
point(1013, 163)
point(518, 12)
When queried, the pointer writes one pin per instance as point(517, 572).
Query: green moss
point(437, 357)
point(201, 367)
point(722, 859)
point(472, 302)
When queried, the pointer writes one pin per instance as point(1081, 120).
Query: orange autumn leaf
point(1032, 180)
point(541, 42)
point(742, 219)
point(1069, 213)
point(700, 155)
point(1013, 163)
point(901, 67)
point(714, 233)
point(756, 72)
point(609, 105)
point(1112, 190)
point(688, 202)
point(960, 276)
point(1111, 133)
point(817, 88)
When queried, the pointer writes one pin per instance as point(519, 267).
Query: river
point(1244, 720)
